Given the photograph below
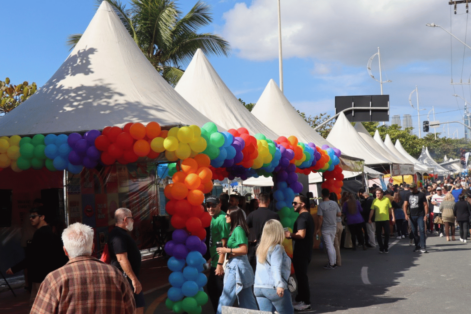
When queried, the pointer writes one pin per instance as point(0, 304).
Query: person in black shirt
point(303, 236)
point(256, 221)
point(462, 212)
point(418, 210)
point(125, 254)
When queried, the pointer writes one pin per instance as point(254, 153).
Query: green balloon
point(37, 139)
point(189, 304)
point(217, 139)
point(169, 303)
point(50, 165)
point(39, 151)
point(197, 310)
point(272, 148)
point(205, 135)
point(210, 127)
point(27, 150)
point(286, 222)
point(211, 151)
point(25, 140)
point(172, 169)
point(285, 212)
point(178, 307)
point(37, 163)
point(23, 163)
point(260, 136)
point(302, 145)
point(201, 298)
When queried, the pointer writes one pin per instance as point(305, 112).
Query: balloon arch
point(197, 156)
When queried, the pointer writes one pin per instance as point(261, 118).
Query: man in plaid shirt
point(84, 284)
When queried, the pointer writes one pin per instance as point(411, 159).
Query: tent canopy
point(390, 146)
point(343, 135)
point(426, 159)
point(360, 128)
point(202, 87)
point(106, 80)
point(419, 167)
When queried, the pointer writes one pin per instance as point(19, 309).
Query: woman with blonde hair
point(448, 217)
point(273, 271)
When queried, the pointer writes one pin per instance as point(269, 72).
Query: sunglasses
point(228, 215)
point(209, 205)
point(33, 216)
point(295, 203)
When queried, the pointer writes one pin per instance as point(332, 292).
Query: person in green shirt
point(238, 276)
point(382, 208)
point(219, 232)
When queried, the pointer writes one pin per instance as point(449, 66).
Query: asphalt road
point(398, 282)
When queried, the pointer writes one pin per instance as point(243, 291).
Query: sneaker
point(423, 251)
point(461, 239)
point(465, 241)
point(441, 235)
point(398, 237)
point(416, 249)
point(329, 267)
point(381, 251)
point(301, 306)
point(386, 251)
point(403, 236)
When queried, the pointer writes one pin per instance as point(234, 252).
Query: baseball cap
point(212, 199)
point(438, 188)
point(412, 185)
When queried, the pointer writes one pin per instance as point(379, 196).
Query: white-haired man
point(85, 284)
point(125, 254)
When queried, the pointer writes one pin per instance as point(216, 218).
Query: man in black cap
point(44, 252)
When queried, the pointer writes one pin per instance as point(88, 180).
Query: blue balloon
point(217, 164)
point(190, 288)
point(176, 279)
point(281, 185)
point(50, 139)
point(175, 294)
point(231, 152)
point(194, 258)
point(278, 195)
point(74, 169)
point(60, 163)
point(199, 268)
point(228, 139)
point(190, 273)
point(64, 150)
point(202, 280)
point(222, 154)
point(175, 264)
point(279, 205)
point(61, 139)
point(51, 151)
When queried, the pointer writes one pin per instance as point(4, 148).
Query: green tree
point(315, 121)
point(11, 96)
point(248, 106)
point(166, 36)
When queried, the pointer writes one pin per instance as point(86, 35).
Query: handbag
point(438, 220)
point(291, 282)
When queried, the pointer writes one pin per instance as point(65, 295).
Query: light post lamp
point(466, 116)
point(280, 52)
point(368, 67)
point(435, 25)
point(418, 108)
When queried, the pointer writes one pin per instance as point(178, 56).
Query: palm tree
point(165, 36)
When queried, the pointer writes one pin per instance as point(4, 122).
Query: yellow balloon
point(183, 151)
point(199, 145)
point(157, 145)
point(173, 132)
point(4, 144)
point(257, 163)
point(14, 166)
point(185, 134)
point(196, 130)
point(267, 159)
point(4, 161)
point(193, 154)
point(15, 140)
point(171, 143)
point(13, 152)
point(171, 156)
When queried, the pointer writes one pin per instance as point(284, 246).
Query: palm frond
point(198, 16)
point(172, 75)
point(72, 40)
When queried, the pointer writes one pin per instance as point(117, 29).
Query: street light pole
point(435, 25)
point(416, 90)
point(280, 46)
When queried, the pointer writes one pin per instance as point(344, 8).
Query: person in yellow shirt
point(382, 208)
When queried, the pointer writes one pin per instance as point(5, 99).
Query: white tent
point(391, 148)
point(360, 128)
point(202, 87)
point(106, 80)
point(260, 181)
point(371, 173)
point(419, 167)
point(343, 135)
point(453, 165)
point(425, 158)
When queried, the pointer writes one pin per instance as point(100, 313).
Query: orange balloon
point(298, 153)
point(205, 219)
point(193, 224)
point(180, 191)
point(179, 177)
point(195, 197)
point(201, 234)
point(141, 148)
point(293, 140)
point(189, 165)
point(203, 160)
point(207, 187)
point(178, 222)
point(183, 208)
point(196, 211)
point(138, 131)
point(167, 191)
point(170, 207)
point(152, 130)
point(164, 133)
point(192, 181)
point(205, 174)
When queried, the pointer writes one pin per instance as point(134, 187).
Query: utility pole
point(416, 90)
point(455, 4)
point(280, 46)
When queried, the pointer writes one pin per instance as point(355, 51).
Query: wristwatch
point(220, 264)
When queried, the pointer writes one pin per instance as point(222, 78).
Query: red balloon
point(183, 208)
point(153, 155)
point(205, 219)
point(107, 159)
point(122, 161)
point(102, 142)
point(243, 131)
point(196, 211)
point(193, 224)
point(106, 131)
point(170, 207)
point(130, 156)
point(127, 127)
point(201, 233)
point(178, 222)
point(125, 141)
point(113, 133)
point(115, 151)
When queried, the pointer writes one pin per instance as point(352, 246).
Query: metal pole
point(380, 74)
point(418, 110)
point(434, 129)
point(280, 46)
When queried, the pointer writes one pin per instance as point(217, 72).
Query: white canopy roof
point(453, 165)
point(260, 181)
point(426, 159)
point(106, 80)
point(360, 128)
point(391, 148)
point(343, 135)
point(202, 87)
point(417, 164)
point(445, 159)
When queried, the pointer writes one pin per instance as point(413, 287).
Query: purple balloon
point(180, 251)
point(93, 153)
point(289, 154)
point(81, 147)
point(325, 146)
point(203, 248)
point(282, 176)
point(284, 162)
point(238, 157)
point(244, 177)
point(239, 140)
point(89, 163)
point(292, 178)
point(228, 163)
point(291, 168)
point(90, 136)
point(73, 138)
point(277, 169)
point(231, 177)
point(75, 159)
point(169, 246)
point(312, 145)
point(337, 152)
point(297, 187)
point(317, 155)
point(193, 243)
point(179, 236)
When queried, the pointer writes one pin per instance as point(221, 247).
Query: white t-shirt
point(328, 210)
point(439, 199)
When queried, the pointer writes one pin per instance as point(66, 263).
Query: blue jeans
point(269, 301)
point(418, 222)
point(245, 297)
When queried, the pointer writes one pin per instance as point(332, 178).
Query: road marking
point(151, 309)
point(394, 243)
point(154, 289)
point(364, 275)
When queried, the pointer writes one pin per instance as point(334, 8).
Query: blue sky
point(326, 48)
